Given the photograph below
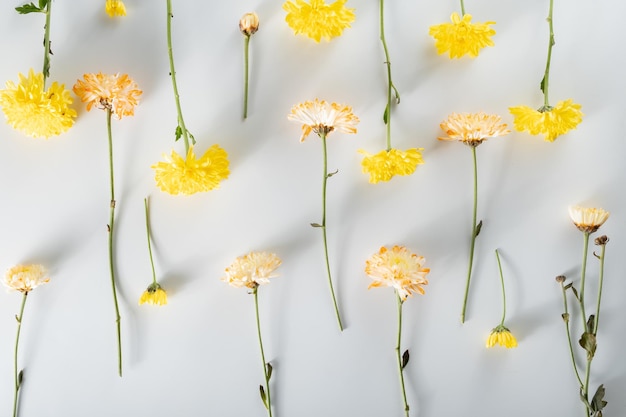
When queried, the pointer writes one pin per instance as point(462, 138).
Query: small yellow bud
point(249, 24)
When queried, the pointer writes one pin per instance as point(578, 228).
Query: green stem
point(16, 374)
point(502, 284)
point(583, 273)
point(474, 234)
point(546, 76)
point(462, 8)
point(399, 357)
point(325, 180)
point(181, 121)
point(46, 45)
point(246, 46)
point(111, 252)
point(588, 412)
point(390, 84)
point(569, 337)
point(600, 282)
point(145, 202)
point(265, 364)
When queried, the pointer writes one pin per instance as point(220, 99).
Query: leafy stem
point(267, 368)
point(546, 76)
point(390, 85)
point(565, 317)
point(401, 361)
point(17, 376)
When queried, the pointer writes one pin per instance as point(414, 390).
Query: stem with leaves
point(267, 368)
point(17, 376)
point(390, 85)
point(546, 76)
point(403, 359)
point(44, 6)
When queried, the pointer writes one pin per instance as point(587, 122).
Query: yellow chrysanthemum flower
point(549, 121)
point(398, 268)
point(25, 278)
point(317, 19)
point(588, 219)
point(109, 91)
point(115, 8)
point(35, 112)
point(473, 128)
point(502, 336)
point(461, 36)
point(322, 118)
point(190, 175)
point(252, 270)
point(154, 295)
point(384, 165)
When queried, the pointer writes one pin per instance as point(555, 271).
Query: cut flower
point(549, 121)
point(384, 165)
point(25, 278)
point(252, 270)
point(115, 8)
point(502, 336)
point(588, 220)
point(116, 92)
point(154, 294)
point(462, 37)
point(473, 128)
point(322, 118)
point(318, 20)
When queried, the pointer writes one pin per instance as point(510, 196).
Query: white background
point(198, 356)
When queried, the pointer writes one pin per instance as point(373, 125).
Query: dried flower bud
point(560, 279)
point(602, 240)
point(249, 24)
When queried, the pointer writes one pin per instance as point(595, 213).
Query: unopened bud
point(249, 24)
point(602, 240)
point(560, 279)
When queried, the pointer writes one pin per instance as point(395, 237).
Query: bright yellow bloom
point(502, 336)
point(115, 8)
point(322, 118)
point(25, 278)
point(249, 24)
point(189, 176)
point(252, 270)
point(473, 128)
point(317, 19)
point(116, 92)
point(154, 295)
point(549, 121)
point(398, 268)
point(461, 36)
point(385, 164)
point(588, 219)
point(35, 112)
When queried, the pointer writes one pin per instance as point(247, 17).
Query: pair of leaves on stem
point(32, 8)
point(268, 375)
point(597, 402)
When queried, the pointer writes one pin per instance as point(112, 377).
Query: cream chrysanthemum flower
point(35, 112)
point(473, 128)
point(502, 336)
point(115, 8)
point(190, 175)
point(317, 19)
point(154, 295)
point(252, 270)
point(461, 36)
point(588, 220)
point(398, 268)
point(384, 165)
point(116, 92)
point(25, 278)
point(549, 121)
point(322, 118)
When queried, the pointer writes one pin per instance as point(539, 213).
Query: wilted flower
point(502, 336)
point(549, 121)
point(25, 278)
point(115, 8)
point(249, 24)
point(322, 118)
point(473, 128)
point(318, 20)
point(36, 112)
point(118, 93)
point(588, 220)
point(154, 294)
point(252, 269)
point(387, 163)
point(461, 36)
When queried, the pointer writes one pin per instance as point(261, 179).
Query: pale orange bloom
point(116, 92)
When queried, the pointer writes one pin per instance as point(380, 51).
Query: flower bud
point(249, 24)
point(602, 240)
point(560, 278)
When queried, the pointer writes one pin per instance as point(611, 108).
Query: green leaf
point(20, 378)
point(405, 358)
point(588, 342)
point(386, 115)
point(478, 227)
point(263, 396)
point(28, 8)
point(316, 225)
point(568, 286)
point(193, 140)
point(43, 4)
point(591, 323)
point(330, 174)
point(542, 85)
point(597, 402)
point(178, 133)
point(575, 292)
point(269, 370)
point(565, 317)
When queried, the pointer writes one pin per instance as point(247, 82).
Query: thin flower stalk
point(583, 277)
point(145, 203)
point(475, 232)
point(401, 362)
point(502, 285)
point(17, 375)
point(265, 394)
point(561, 279)
point(390, 84)
point(546, 76)
point(501, 335)
point(462, 8)
point(46, 44)
point(246, 54)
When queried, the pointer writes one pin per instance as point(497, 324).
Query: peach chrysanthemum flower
point(190, 175)
point(398, 268)
point(154, 295)
point(461, 36)
point(549, 121)
point(115, 8)
point(25, 278)
point(588, 220)
point(252, 270)
point(35, 112)
point(384, 165)
point(116, 92)
point(322, 118)
point(502, 336)
point(318, 20)
point(473, 128)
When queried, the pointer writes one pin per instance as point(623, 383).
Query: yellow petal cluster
point(154, 295)
point(588, 219)
point(117, 92)
point(384, 165)
point(318, 20)
point(551, 122)
point(115, 8)
point(502, 336)
point(36, 112)
point(25, 278)
point(190, 175)
point(473, 128)
point(252, 270)
point(398, 268)
point(462, 37)
point(322, 118)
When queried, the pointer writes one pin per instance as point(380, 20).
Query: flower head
point(116, 92)
point(115, 8)
point(318, 20)
point(190, 175)
point(588, 220)
point(461, 36)
point(551, 122)
point(249, 24)
point(473, 128)
point(154, 294)
point(385, 164)
point(252, 269)
point(502, 336)
point(398, 268)
point(25, 278)
point(35, 112)
point(322, 118)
